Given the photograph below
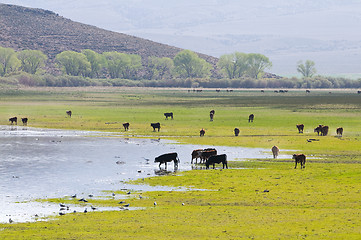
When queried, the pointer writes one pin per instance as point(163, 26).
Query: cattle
point(25, 121)
point(168, 115)
point(300, 128)
point(250, 118)
point(358, 92)
point(318, 129)
point(236, 132)
point(217, 159)
point(68, 113)
point(321, 129)
point(212, 112)
point(206, 153)
point(13, 119)
point(155, 125)
point(218, 90)
point(202, 132)
point(126, 126)
point(308, 91)
point(262, 91)
point(196, 154)
point(211, 116)
point(339, 131)
point(299, 158)
point(275, 151)
point(168, 157)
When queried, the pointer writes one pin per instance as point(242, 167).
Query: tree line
point(186, 69)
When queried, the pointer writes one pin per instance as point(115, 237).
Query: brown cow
point(300, 128)
point(206, 153)
point(339, 131)
point(324, 130)
point(196, 154)
point(202, 132)
point(299, 158)
point(275, 151)
point(126, 126)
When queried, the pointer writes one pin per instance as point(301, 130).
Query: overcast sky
point(325, 31)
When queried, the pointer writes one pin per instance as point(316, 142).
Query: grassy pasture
point(321, 201)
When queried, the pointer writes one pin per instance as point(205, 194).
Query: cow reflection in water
point(163, 172)
point(168, 157)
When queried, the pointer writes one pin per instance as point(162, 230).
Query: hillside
point(29, 28)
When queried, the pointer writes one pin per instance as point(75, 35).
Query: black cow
point(217, 159)
point(358, 92)
point(236, 132)
point(299, 158)
point(211, 115)
point(308, 91)
point(321, 129)
point(300, 128)
point(339, 131)
point(13, 119)
point(25, 121)
point(68, 113)
point(168, 115)
point(168, 157)
point(126, 126)
point(155, 125)
point(250, 118)
point(202, 132)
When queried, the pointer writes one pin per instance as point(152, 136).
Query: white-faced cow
point(68, 113)
point(250, 118)
point(168, 115)
point(299, 158)
point(155, 125)
point(168, 157)
point(275, 151)
point(212, 160)
point(236, 132)
point(25, 121)
point(300, 128)
point(126, 126)
point(13, 120)
point(339, 131)
point(196, 154)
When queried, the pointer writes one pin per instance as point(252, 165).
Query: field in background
point(256, 199)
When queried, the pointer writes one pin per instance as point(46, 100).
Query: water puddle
point(43, 163)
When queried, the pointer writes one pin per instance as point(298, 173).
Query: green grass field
point(321, 201)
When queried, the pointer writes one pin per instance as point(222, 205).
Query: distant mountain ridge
point(37, 29)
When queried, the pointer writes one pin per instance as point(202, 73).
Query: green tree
point(96, 61)
point(233, 65)
point(31, 60)
point(308, 69)
point(257, 63)
point(74, 63)
point(158, 68)
point(187, 64)
point(8, 61)
point(116, 63)
point(131, 69)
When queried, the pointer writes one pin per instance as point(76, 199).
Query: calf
point(217, 159)
point(155, 125)
point(299, 158)
point(168, 157)
point(13, 119)
point(168, 115)
point(300, 128)
point(25, 121)
point(126, 126)
point(275, 151)
point(339, 131)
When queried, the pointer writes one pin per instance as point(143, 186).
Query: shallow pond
point(43, 163)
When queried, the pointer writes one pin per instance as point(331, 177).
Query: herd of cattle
point(209, 156)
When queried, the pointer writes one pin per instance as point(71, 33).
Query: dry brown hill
point(37, 29)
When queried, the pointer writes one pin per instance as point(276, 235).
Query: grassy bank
point(255, 199)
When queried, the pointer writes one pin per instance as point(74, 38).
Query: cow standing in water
point(126, 126)
point(300, 128)
point(68, 113)
point(212, 160)
point(202, 132)
point(339, 131)
point(275, 151)
point(236, 132)
point(168, 157)
point(250, 118)
point(13, 120)
point(299, 158)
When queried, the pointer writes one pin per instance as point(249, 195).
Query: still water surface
point(43, 163)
